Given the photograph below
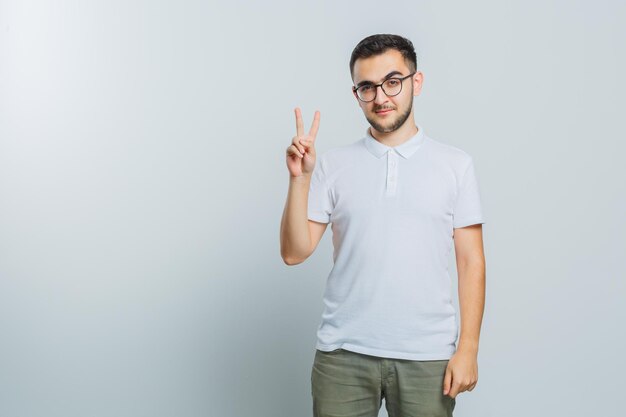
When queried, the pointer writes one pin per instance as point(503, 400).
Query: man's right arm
point(299, 236)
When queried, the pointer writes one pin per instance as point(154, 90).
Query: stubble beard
point(393, 126)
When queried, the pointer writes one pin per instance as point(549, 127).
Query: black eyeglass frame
point(381, 87)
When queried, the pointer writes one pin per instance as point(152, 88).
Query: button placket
point(392, 172)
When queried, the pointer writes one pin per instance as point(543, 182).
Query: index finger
point(299, 125)
point(315, 125)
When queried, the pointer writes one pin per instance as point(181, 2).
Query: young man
point(397, 200)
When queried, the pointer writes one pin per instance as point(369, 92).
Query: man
point(397, 200)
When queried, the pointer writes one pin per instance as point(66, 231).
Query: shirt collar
point(406, 149)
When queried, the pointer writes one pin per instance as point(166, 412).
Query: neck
point(398, 136)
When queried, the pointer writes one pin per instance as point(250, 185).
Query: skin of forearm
point(471, 302)
point(295, 237)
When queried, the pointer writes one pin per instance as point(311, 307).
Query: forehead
point(376, 67)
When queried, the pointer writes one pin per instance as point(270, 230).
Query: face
point(376, 69)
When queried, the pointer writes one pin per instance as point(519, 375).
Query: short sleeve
point(467, 209)
point(320, 203)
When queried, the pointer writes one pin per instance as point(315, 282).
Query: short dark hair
point(379, 44)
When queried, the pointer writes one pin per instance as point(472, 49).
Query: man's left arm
point(462, 371)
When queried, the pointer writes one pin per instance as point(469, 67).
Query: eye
point(365, 88)
point(393, 82)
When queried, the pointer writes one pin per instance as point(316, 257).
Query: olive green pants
point(350, 384)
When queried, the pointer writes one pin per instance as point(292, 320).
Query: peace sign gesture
point(301, 152)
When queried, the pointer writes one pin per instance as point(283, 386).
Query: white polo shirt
point(393, 210)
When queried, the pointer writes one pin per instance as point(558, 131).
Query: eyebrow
point(392, 73)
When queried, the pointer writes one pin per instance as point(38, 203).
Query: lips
point(383, 111)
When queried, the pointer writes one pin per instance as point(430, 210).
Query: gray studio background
point(143, 179)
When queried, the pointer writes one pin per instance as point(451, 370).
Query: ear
point(418, 80)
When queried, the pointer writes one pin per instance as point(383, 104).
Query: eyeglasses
point(391, 87)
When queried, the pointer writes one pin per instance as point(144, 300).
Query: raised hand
point(301, 152)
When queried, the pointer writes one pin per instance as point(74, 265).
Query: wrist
point(300, 178)
point(468, 347)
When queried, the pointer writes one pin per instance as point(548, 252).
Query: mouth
point(384, 111)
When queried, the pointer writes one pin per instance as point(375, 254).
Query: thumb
point(447, 381)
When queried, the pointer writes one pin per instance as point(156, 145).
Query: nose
point(381, 97)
